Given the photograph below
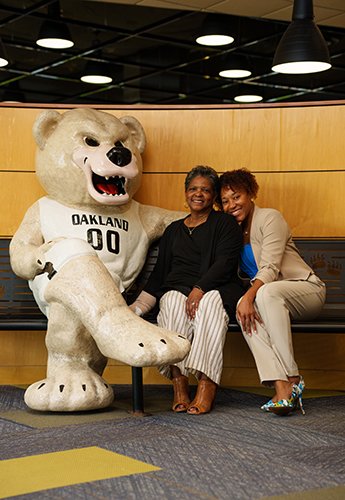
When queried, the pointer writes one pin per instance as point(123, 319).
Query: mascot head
point(89, 158)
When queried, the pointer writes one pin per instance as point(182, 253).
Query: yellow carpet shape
point(64, 468)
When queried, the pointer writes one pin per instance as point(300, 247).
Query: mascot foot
point(137, 342)
point(85, 288)
point(70, 391)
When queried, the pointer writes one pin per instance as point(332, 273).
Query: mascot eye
point(91, 142)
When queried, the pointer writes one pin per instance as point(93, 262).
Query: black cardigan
point(219, 259)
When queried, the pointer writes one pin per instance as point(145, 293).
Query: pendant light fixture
point(3, 55)
point(97, 73)
point(245, 93)
point(302, 48)
point(215, 31)
point(235, 67)
point(54, 34)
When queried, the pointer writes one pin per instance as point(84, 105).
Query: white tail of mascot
point(80, 247)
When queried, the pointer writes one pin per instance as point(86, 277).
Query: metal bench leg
point(137, 392)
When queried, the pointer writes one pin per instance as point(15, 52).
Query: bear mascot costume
point(80, 247)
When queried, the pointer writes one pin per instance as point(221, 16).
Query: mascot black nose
point(120, 156)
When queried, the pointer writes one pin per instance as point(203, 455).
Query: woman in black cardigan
point(195, 281)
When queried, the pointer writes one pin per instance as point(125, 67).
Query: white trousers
point(206, 332)
point(276, 303)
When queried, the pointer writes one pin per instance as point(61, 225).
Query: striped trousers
point(206, 332)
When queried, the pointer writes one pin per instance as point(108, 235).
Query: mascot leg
point(82, 284)
point(74, 368)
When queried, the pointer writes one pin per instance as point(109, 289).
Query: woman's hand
point(246, 313)
point(192, 302)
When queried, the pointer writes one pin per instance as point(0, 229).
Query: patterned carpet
point(235, 452)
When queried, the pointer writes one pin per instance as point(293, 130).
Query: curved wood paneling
point(296, 152)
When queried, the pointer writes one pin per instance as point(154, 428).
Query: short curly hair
point(240, 180)
point(203, 171)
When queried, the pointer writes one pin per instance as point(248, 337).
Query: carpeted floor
point(235, 452)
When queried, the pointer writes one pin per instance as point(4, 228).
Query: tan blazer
point(276, 256)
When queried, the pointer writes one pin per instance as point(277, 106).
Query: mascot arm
point(155, 220)
point(27, 248)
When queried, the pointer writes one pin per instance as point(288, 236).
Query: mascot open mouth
point(109, 186)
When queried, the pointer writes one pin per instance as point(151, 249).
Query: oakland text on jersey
point(99, 220)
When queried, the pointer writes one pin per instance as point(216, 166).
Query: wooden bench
point(18, 310)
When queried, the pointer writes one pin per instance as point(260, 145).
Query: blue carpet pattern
point(235, 452)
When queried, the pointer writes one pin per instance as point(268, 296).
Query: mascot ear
point(136, 130)
point(44, 126)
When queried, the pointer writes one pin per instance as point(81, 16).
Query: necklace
point(191, 229)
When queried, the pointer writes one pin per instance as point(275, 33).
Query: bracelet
point(199, 288)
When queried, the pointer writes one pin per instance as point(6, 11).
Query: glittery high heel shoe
point(286, 406)
point(266, 407)
point(297, 391)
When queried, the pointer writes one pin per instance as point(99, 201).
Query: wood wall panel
point(18, 191)
point(260, 139)
point(16, 140)
point(222, 138)
point(312, 138)
point(169, 195)
point(298, 156)
point(312, 202)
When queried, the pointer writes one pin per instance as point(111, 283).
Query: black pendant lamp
point(215, 31)
point(234, 66)
point(97, 73)
point(3, 55)
point(302, 48)
point(54, 33)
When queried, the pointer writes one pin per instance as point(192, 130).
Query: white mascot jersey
point(120, 242)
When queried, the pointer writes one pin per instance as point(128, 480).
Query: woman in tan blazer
point(283, 286)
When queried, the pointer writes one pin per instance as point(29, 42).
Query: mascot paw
point(137, 342)
point(70, 391)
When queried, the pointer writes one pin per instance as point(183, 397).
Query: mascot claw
point(71, 391)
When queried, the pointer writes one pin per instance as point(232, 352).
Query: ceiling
point(149, 47)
